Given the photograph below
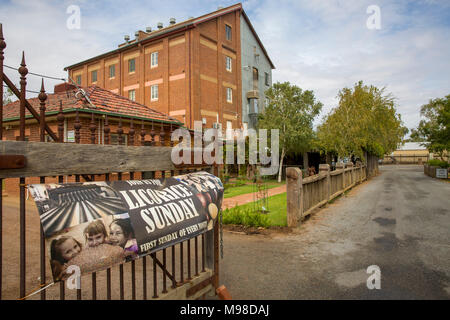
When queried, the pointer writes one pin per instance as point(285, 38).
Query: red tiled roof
point(103, 100)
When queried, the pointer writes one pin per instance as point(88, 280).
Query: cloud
point(318, 45)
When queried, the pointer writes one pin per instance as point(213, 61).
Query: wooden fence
point(304, 195)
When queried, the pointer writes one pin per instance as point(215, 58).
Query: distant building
point(213, 68)
point(410, 153)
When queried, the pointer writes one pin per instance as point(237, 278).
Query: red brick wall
point(189, 57)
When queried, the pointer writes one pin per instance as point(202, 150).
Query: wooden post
point(325, 168)
point(294, 196)
point(341, 166)
point(360, 173)
point(352, 179)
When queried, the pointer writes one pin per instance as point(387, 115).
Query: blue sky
point(318, 45)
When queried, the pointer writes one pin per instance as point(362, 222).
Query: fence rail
point(306, 195)
point(168, 273)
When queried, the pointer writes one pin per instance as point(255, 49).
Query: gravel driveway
point(399, 221)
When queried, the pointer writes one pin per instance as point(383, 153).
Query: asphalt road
point(399, 221)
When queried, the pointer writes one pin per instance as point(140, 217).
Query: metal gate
point(187, 270)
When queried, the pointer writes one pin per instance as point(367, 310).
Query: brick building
point(213, 68)
point(92, 108)
point(85, 117)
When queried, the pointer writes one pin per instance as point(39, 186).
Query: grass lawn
point(277, 209)
point(249, 188)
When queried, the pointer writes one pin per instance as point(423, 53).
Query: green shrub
point(438, 163)
point(236, 183)
point(245, 217)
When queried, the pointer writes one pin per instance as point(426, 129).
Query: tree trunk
point(280, 171)
point(305, 161)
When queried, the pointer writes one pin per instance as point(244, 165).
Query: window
point(229, 95)
point(131, 65)
point(79, 80)
point(228, 32)
point(154, 92)
point(112, 71)
point(229, 128)
point(114, 139)
point(228, 63)
point(94, 76)
point(266, 79)
point(255, 105)
point(255, 79)
point(132, 95)
point(154, 60)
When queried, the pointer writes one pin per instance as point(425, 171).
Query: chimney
point(63, 87)
point(160, 25)
point(219, 8)
point(172, 21)
point(126, 38)
point(136, 34)
point(148, 29)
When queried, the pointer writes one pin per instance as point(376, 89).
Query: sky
point(322, 46)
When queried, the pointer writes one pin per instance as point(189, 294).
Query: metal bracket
point(12, 161)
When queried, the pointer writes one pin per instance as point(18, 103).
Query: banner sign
point(94, 225)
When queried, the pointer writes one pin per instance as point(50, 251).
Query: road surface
point(398, 221)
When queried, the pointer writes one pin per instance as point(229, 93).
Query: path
point(248, 197)
point(398, 221)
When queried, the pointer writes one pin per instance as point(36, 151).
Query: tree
point(434, 132)
point(364, 121)
point(292, 111)
point(7, 94)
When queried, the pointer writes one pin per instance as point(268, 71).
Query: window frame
point(229, 95)
point(92, 76)
point(152, 92)
point(78, 77)
point(112, 68)
point(228, 35)
point(134, 65)
point(114, 139)
point(228, 60)
point(134, 94)
point(156, 54)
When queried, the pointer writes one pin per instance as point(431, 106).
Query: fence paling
point(317, 190)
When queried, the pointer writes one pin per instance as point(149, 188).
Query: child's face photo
point(69, 249)
point(95, 240)
point(116, 236)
